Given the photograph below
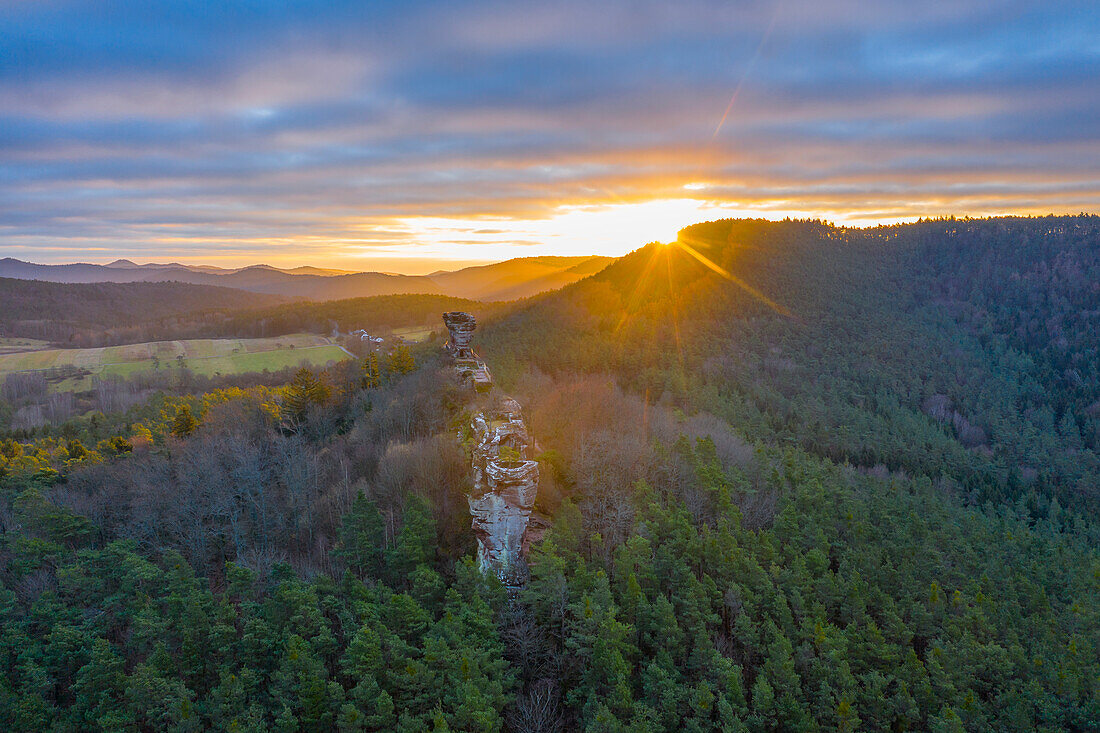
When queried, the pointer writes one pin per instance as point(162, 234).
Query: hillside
point(517, 278)
point(960, 346)
point(378, 314)
point(912, 542)
point(61, 312)
point(501, 281)
point(84, 315)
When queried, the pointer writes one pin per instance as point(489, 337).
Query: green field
point(209, 357)
point(10, 345)
point(415, 334)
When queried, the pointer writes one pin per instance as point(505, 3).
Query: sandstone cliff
point(505, 479)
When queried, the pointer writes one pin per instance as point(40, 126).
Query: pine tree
point(363, 657)
point(304, 391)
point(99, 690)
point(362, 538)
point(417, 541)
point(301, 684)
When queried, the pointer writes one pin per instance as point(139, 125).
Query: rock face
point(506, 481)
point(504, 492)
point(461, 327)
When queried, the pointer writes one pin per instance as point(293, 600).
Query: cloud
point(242, 130)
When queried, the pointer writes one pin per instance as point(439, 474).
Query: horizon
point(367, 137)
point(418, 267)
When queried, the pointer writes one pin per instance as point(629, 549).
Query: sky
point(417, 135)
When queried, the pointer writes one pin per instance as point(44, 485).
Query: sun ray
point(711, 265)
point(636, 293)
point(675, 317)
point(745, 73)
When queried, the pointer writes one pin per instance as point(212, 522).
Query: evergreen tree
point(417, 540)
point(305, 391)
point(362, 538)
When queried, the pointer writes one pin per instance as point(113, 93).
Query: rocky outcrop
point(505, 479)
point(500, 504)
point(461, 327)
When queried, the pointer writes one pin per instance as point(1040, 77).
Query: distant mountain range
point(509, 280)
point(304, 270)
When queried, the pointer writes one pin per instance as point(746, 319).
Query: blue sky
point(403, 135)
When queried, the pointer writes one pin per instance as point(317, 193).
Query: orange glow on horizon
point(420, 244)
point(611, 229)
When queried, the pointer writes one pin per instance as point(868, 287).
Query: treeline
point(377, 315)
point(29, 408)
point(109, 314)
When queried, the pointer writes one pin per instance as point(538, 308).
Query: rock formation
point(461, 327)
point(505, 479)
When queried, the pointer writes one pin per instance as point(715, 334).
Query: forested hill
point(801, 478)
point(897, 554)
point(87, 315)
point(373, 313)
point(958, 348)
point(114, 312)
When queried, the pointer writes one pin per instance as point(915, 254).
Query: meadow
point(414, 334)
point(11, 345)
point(210, 357)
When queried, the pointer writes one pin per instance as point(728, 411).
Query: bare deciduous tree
point(538, 710)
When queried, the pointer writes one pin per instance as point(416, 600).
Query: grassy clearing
point(11, 345)
point(209, 357)
point(416, 334)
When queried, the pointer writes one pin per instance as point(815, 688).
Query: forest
point(801, 478)
point(102, 314)
point(85, 315)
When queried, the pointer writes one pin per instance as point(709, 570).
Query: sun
point(570, 229)
point(623, 227)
